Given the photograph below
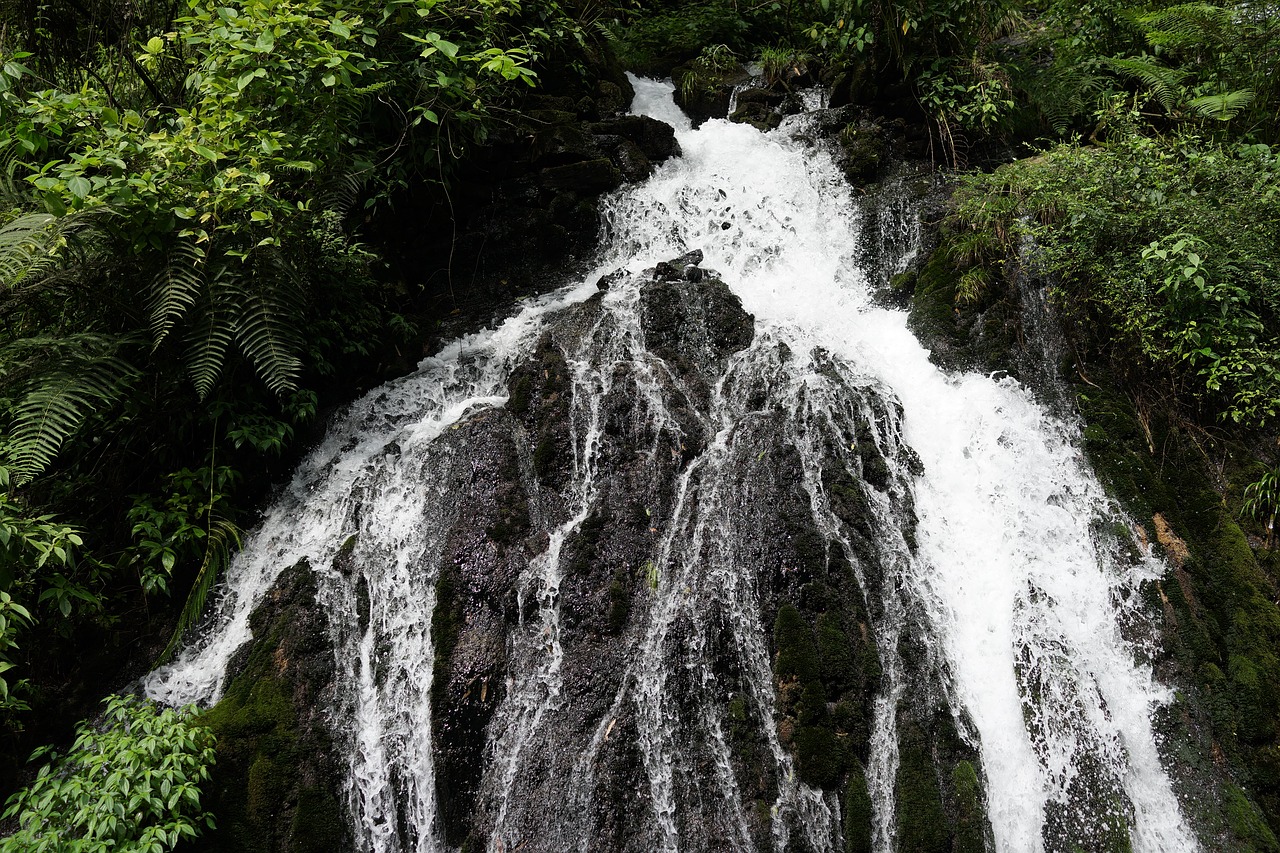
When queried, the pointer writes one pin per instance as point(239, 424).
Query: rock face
point(276, 785)
point(664, 608)
point(705, 92)
point(1208, 639)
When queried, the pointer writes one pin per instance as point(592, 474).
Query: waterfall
point(690, 484)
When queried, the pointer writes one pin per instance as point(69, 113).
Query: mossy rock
point(276, 785)
point(1221, 626)
point(706, 93)
point(858, 813)
point(922, 823)
point(971, 818)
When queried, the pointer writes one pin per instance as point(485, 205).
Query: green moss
point(1247, 823)
point(619, 604)
point(317, 822)
point(933, 302)
point(270, 791)
point(971, 819)
point(904, 283)
point(821, 756)
point(970, 815)
point(797, 652)
point(817, 756)
point(857, 813)
point(1225, 625)
point(922, 823)
point(837, 661)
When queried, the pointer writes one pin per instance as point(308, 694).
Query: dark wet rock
point(684, 268)
point(631, 161)
point(864, 152)
point(824, 124)
point(515, 487)
point(611, 97)
point(587, 177)
point(694, 329)
point(760, 108)
point(706, 94)
point(610, 279)
point(759, 115)
point(768, 97)
point(655, 138)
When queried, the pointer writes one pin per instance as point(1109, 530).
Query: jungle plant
point(130, 782)
point(714, 61)
point(1261, 501)
point(1148, 268)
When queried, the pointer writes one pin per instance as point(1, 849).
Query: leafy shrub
point(130, 784)
point(1163, 255)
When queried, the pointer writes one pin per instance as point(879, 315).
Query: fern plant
point(255, 305)
point(221, 541)
point(56, 384)
point(1223, 107)
point(1165, 84)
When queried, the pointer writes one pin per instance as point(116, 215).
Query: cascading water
point(683, 483)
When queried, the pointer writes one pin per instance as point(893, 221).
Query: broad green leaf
point(79, 186)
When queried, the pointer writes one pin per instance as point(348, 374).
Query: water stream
point(994, 549)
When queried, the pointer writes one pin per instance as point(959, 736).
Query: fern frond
point(28, 246)
point(1066, 92)
point(342, 193)
point(373, 88)
point(175, 289)
point(1165, 84)
point(1187, 25)
point(211, 334)
point(59, 400)
point(1223, 107)
point(267, 330)
point(222, 540)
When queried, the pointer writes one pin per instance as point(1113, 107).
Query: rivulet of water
point(988, 546)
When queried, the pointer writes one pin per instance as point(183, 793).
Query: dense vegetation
point(187, 186)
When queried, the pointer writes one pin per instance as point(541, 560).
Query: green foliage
point(215, 188)
point(13, 616)
point(974, 96)
point(175, 530)
point(675, 35)
point(780, 63)
point(57, 384)
point(1164, 254)
point(1261, 498)
point(130, 782)
point(710, 65)
point(1201, 64)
